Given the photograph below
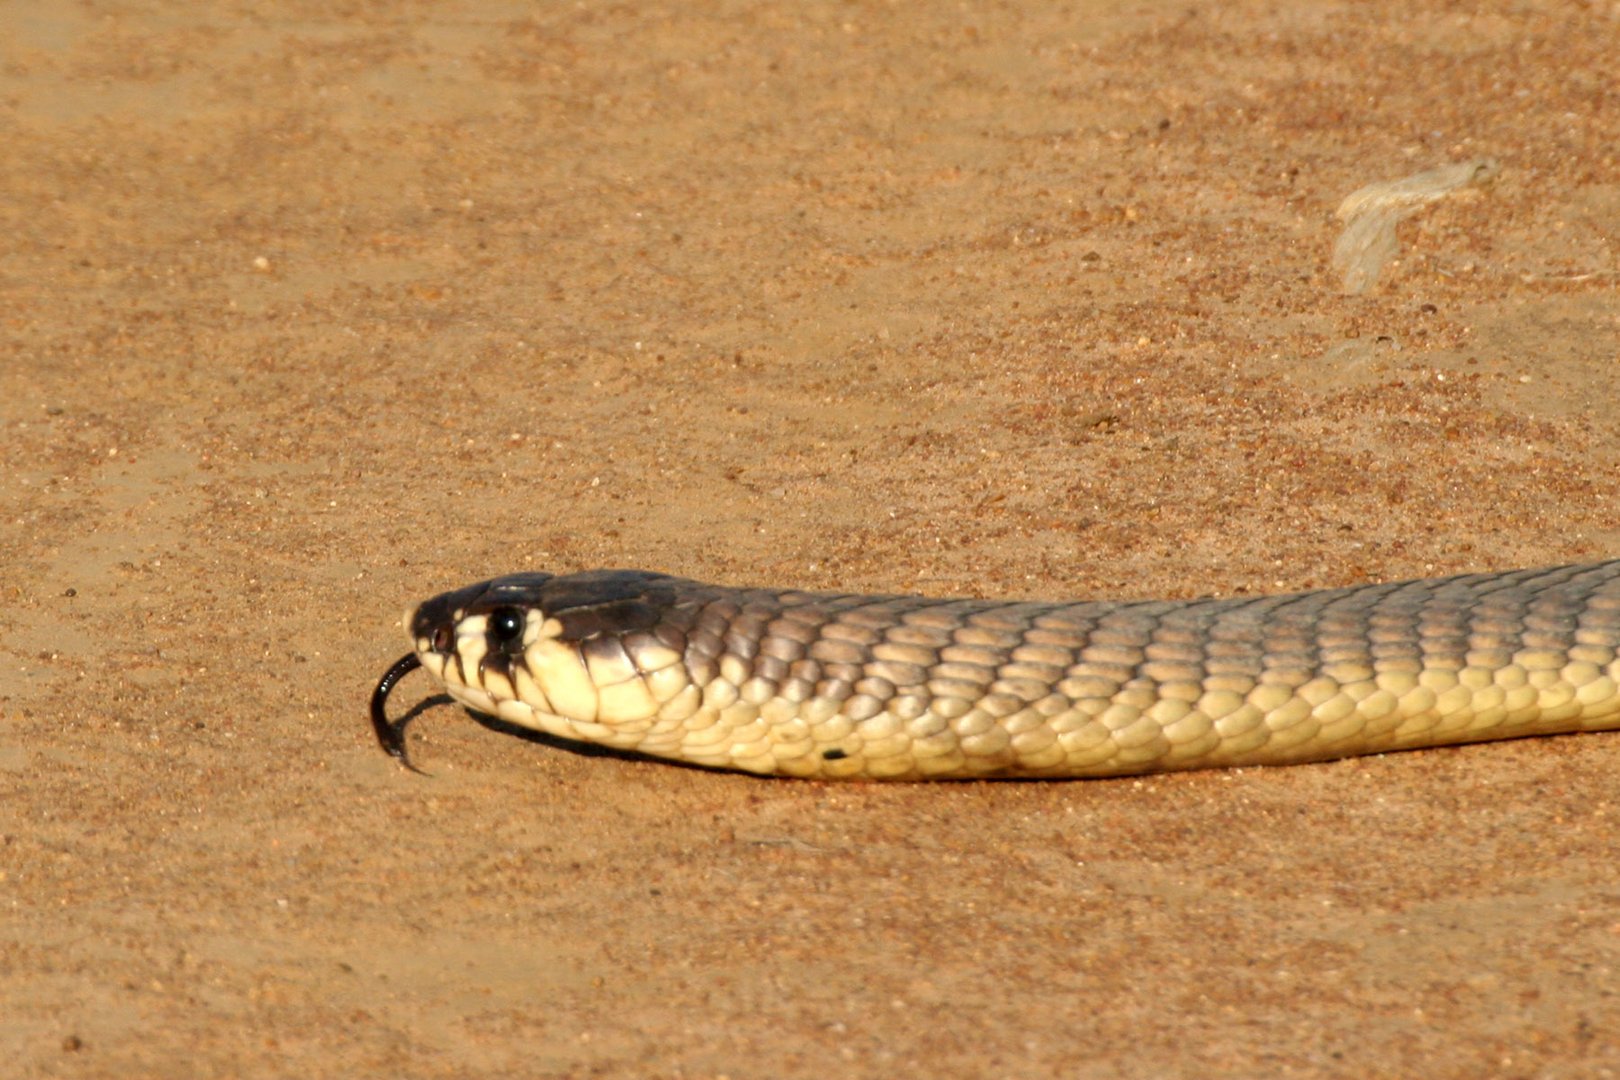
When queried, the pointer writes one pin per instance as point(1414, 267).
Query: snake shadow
point(540, 738)
point(596, 750)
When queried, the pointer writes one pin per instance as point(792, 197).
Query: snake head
point(577, 656)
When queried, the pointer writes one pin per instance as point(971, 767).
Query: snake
point(848, 686)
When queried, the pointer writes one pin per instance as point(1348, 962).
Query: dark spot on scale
point(496, 662)
point(834, 754)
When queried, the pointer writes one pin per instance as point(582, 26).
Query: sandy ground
point(308, 311)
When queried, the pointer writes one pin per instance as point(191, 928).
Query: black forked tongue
point(390, 737)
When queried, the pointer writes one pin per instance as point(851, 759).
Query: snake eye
point(443, 639)
point(506, 626)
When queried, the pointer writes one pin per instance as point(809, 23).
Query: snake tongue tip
point(404, 760)
point(401, 753)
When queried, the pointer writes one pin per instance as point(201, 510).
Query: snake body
point(838, 686)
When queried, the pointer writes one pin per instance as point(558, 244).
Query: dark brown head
point(548, 651)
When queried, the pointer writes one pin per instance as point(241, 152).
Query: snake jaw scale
point(534, 628)
point(564, 679)
point(625, 703)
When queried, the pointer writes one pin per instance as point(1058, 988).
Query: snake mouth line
point(391, 738)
